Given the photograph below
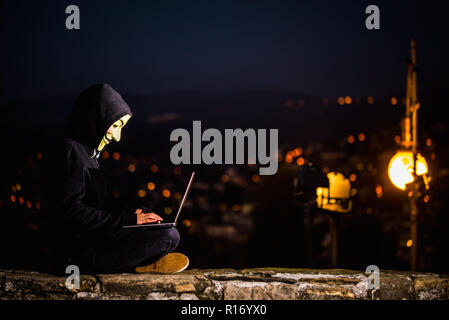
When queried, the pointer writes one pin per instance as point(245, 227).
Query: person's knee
point(173, 236)
point(169, 237)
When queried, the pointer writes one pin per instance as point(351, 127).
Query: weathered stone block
point(393, 286)
point(431, 288)
point(241, 290)
point(33, 285)
point(135, 285)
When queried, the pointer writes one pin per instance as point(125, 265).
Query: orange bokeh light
point(351, 139)
point(151, 186)
point(166, 193)
point(187, 223)
point(348, 100)
point(300, 161)
point(379, 192)
point(362, 137)
point(141, 193)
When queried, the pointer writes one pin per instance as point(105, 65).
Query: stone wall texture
point(227, 284)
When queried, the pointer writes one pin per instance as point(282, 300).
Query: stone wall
point(248, 284)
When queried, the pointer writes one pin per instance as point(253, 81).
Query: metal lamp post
point(412, 107)
point(407, 165)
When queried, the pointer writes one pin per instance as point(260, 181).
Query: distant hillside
point(308, 119)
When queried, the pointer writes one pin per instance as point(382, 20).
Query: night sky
point(315, 47)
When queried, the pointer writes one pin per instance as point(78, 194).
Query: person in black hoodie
point(86, 229)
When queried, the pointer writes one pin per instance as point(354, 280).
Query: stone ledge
point(228, 284)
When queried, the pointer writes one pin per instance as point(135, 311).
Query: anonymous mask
point(114, 132)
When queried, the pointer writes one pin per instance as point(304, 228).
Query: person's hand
point(143, 217)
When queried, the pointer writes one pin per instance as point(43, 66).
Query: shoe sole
point(171, 263)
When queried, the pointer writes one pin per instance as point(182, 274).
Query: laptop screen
point(167, 204)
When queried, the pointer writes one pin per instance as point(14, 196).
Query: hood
point(95, 110)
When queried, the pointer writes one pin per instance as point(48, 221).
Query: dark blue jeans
point(127, 250)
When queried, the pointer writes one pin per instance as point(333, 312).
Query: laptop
point(168, 224)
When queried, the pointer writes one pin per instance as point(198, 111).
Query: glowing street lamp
point(336, 198)
point(401, 167)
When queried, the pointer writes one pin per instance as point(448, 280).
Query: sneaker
point(171, 263)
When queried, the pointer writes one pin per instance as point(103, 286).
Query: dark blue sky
point(314, 47)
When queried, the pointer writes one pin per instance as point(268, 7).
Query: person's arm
point(81, 216)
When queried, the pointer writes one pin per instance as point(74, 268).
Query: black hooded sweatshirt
point(81, 211)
